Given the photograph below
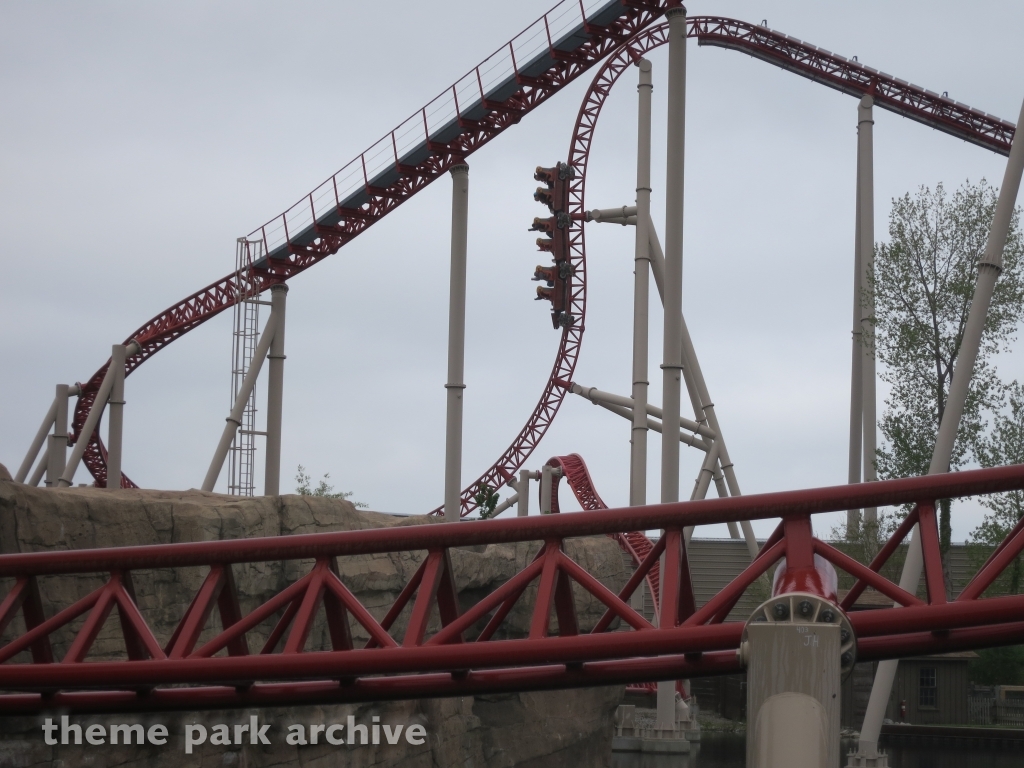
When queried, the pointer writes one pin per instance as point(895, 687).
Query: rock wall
point(529, 729)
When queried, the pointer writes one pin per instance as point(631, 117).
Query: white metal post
point(275, 393)
point(641, 292)
point(91, 422)
point(702, 401)
point(115, 419)
point(988, 270)
point(37, 443)
point(523, 491)
point(57, 443)
point(866, 241)
point(856, 361)
point(672, 363)
point(456, 344)
point(545, 489)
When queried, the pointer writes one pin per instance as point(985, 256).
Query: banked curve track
point(314, 229)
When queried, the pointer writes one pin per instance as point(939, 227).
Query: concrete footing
point(878, 760)
point(635, 731)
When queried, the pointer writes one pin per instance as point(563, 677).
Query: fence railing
point(982, 710)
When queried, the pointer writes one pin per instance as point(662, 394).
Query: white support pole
point(40, 469)
point(115, 419)
point(523, 492)
point(641, 293)
point(989, 267)
point(57, 443)
point(37, 443)
point(547, 476)
point(234, 419)
point(92, 421)
point(866, 242)
point(856, 365)
point(626, 214)
point(672, 360)
point(706, 474)
point(599, 397)
point(626, 412)
point(672, 364)
point(699, 392)
point(506, 504)
point(456, 345)
point(275, 393)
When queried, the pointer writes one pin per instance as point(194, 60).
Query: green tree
point(486, 500)
point(998, 666)
point(322, 488)
point(922, 285)
point(1002, 445)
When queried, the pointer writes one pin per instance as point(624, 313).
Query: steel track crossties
point(621, 40)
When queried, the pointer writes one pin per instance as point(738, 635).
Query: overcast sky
point(138, 140)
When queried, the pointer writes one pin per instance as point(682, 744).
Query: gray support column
point(57, 442)
point(866, 245)
point(115, 419)
point(672, 362)
point(856, 362)
point(39, 471)
point(275, 393)
point(523, 492)
point(641, 293)
point(37, 443)
point(234, 419)
point(456, 344)
point(702, 400)
point(91, 422)
point(988, 270)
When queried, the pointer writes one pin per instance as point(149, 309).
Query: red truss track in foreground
point(460, 657)
point(625, 38)
point(640, 549)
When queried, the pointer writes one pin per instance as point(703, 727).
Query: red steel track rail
point(625, 39)
point(460, 658)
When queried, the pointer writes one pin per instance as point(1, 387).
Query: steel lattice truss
point(460, 657)
point(621, 43)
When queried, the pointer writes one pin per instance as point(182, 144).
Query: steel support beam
point(57, 443)
point(275, 393)
point(641, 292)
point(93, 420)
point(234, 419)
point(115, 419)
point(672, 360)
point(989, 267)
point(37, 443)
point(699, 391)
point(853, 516)
point(866, 244)
point(456, 344)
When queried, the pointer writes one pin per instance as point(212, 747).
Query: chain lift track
point(325, 220)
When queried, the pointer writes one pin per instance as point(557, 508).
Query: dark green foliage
point(922, 284)
point(998, 666)
point(486, 500)
point(322, 489)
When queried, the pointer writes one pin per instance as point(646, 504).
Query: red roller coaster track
point(461, 657)
point(319, 229)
